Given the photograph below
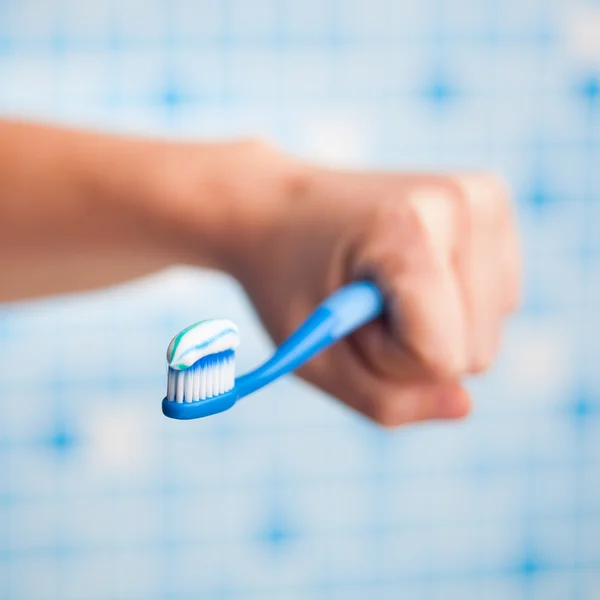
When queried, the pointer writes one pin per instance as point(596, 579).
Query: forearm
point(81, 210)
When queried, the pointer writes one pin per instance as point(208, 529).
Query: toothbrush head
point(201, 370)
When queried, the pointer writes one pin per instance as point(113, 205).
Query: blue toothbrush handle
point(340, 314)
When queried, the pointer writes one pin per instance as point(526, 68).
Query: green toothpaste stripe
point(182, 333)
point(208, 342)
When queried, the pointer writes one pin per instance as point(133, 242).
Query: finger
point(411, 403)
point(478, 264)
point(340, 372)
point(408, 251)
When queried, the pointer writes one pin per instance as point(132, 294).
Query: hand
point(443, 249)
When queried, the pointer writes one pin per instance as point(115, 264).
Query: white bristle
point(196, 394)
point(179, 387)
point(188, 385)
point(202, 385)
point(170, 386)
point(201, 382)
point(215, 380)
point(209, 382)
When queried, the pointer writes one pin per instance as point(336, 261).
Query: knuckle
point(389, 244)
point(485, 196)
point(435, 217)
point(397, 226)
point(388, 216)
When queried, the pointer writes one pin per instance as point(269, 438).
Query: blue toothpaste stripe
point(208, 342)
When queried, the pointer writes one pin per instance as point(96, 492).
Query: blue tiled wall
point(290, 495)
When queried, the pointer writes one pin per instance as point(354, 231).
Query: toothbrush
point(201, 358)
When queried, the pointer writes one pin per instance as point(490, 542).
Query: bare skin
point(81, 210)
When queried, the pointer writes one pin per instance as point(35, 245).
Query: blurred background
point(291, 495)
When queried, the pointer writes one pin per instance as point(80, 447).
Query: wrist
point(224, 202)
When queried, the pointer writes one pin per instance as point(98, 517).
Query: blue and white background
point(291, 495)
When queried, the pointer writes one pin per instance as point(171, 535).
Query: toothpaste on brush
point(202, 339)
